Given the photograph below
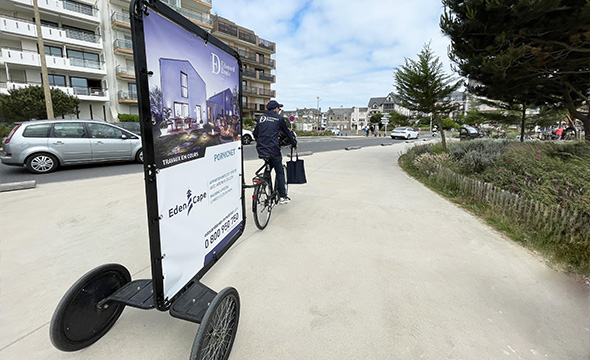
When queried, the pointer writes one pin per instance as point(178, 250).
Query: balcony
point(267, 93)
point(124, 73)
point(194, 16)
point(249, 73)
point(126, 97)
point(249, 107)
point(83, 93)
point(123, 47)
point(27, 28)
point(120, 20)
point(70, 9)
point(249, 90)
point(31, 58)
point(268, 45)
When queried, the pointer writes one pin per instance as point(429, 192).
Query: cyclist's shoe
point(284, 200)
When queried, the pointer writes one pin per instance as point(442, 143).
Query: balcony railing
point(248, 37)
point(249, 90)
point(121, 19)
point(86, 63)
point(267, 92)
point(249, 73)
point(266, 44)
point(79, 8)
point(127, 95)
point(249, 106)
point(82, 36)
point(189, 14)
point(267, 62)
point(122, 71)
point(51, 33)
point(266, 77)
point(89, 91)
point(68, 7)
point(124, 46)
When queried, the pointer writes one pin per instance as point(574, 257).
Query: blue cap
point(273, 104)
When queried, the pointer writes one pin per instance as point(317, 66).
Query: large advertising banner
point(196, 129)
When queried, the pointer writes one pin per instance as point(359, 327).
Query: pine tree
point(423, 86)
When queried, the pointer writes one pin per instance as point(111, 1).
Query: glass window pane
point(100, 131)
point(37, 131)
point(68, 130)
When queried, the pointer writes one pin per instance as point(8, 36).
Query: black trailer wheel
point(77, 321)
point(217, 331)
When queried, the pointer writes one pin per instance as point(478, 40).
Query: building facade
point(74, 49)
point(89, 52)
point(305, 119)
point(258, 64)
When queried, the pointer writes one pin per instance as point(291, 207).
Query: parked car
point(44, 145)
point(334, 130)
point(404, 132)
point(247, 136)
point(468, 132)
point(134, 127)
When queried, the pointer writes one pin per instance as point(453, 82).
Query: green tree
point(29, 103)
point(523, 52)
point(423, 86)
point(375, 118)
point(397, 119)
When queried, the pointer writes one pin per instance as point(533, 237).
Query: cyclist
point(266, 132)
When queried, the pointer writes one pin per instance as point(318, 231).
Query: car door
point(108, 143)
point(69, 141)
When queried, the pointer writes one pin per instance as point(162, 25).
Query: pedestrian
point(266, 132)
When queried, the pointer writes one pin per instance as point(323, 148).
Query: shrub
point(477, 155)
point(5, 129)
point(128, 118)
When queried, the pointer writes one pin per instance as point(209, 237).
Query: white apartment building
point(89, 52)
point(74, 48)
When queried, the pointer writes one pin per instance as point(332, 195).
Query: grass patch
point(554, 176)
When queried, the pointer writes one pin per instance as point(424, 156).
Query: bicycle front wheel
point(262, 204)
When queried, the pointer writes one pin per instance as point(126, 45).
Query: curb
point(352, 148)
point(22, 185)
point(386, 144)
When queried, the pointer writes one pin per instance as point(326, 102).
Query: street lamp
point(319, 115)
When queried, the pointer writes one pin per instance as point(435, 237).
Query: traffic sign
point(291, 118)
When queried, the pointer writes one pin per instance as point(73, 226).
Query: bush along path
point(536, 193)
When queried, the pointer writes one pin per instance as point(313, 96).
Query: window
point(100, 131)
point(132, 87)
point(69, 130)
point(37, 131)
point(180, 110)
point(57, 80)
point(84, 59)
point(183, 85)
point(53, 51)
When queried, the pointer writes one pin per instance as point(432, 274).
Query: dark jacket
point(267, 132)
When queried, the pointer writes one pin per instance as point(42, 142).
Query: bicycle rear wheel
point(262, 204)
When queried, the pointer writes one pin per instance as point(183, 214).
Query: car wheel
point(393, 137)
point(139, 156)
point(246, 139)
point(408, 137)
point(41, 163)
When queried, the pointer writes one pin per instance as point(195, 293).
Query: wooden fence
point(564, 224)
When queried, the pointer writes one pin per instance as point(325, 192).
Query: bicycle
point(266, 194)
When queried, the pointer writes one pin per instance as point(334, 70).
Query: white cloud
point(343, 52)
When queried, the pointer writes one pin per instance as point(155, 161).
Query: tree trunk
point(442, 134)
point(575, 114)
point(522, 124)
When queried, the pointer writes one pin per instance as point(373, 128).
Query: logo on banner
point(191, 202)
point(219, 66)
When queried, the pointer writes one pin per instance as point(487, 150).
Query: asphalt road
point(11, 174)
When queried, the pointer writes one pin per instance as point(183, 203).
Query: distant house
point(339, 117)
point(305, 119)
point(184, 95)
point(359, 118)
point(385, 104)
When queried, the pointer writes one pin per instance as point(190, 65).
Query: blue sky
point(344, 52)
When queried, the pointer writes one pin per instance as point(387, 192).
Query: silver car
point(44, 145)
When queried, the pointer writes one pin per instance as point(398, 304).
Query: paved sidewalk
point(364, 263)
